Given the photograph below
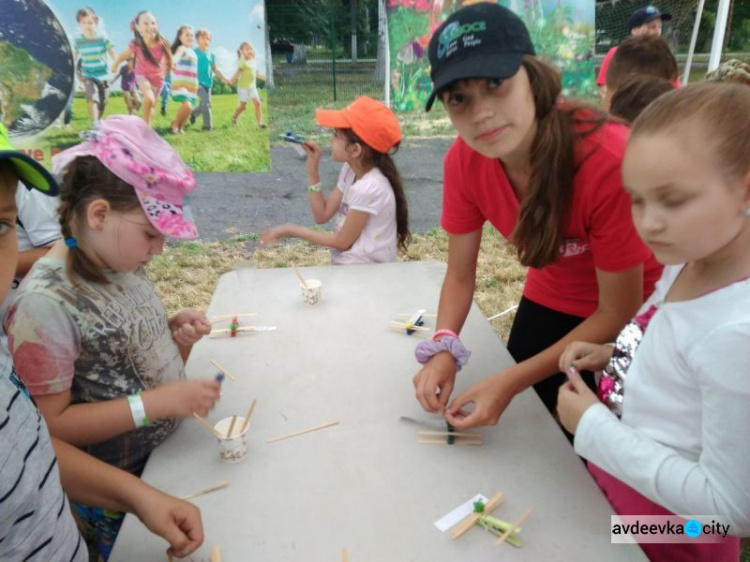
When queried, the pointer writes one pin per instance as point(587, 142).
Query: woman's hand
point(434, 383)
point(490, 398)
point(584, 356)
point(573, 399)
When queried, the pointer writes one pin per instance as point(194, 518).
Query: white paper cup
point(232, 448)
point(312, 292)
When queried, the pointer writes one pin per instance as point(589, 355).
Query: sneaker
point(192, 118)
point(263, 126)
point(234, 121)
point(163, 110)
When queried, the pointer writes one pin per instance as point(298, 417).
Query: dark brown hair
point(635, 94)
point(85, 180)
point(384, 162)
point(83, 12)
point(177, 42)
point(722, 112)
point(141, 43)
point(545, 207)
point(641, 55)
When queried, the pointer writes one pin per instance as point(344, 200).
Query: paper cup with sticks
point(231, 433)
point(311, 290)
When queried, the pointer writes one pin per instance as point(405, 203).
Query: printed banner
point(193, 68)
point(562, 32)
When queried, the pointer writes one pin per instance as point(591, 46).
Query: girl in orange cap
point(371, 216)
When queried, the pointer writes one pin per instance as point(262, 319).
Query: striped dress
point(185, 76)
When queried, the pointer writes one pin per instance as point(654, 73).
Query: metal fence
point(321, 54)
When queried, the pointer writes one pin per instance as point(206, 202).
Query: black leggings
point(535, 328)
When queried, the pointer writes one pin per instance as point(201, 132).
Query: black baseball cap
point(479, 41)
point(647, 14)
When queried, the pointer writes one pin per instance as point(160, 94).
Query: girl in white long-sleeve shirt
point(671, 434)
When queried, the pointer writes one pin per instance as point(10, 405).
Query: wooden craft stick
point(215, 555)
point(410, 313)
point(223, 370)
point(208, 425)
point(248, 416)
point(514, 526)
point(231, 426)
point(459, 441)
point(301, 279)
point(417, 328)
point(220, 316)
point(344, 555)
point(303, 431)
point(213, 488)
point(492, 504)
point(401, 329)
point(448, 433)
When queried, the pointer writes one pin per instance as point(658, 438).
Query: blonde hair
point(720, 109)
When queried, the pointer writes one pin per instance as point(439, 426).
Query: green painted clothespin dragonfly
point(481, 516)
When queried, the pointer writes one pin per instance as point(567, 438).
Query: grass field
point(224, 149)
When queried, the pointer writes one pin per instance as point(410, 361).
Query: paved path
point(229, 204)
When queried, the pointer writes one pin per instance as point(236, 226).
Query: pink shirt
point(143, 66)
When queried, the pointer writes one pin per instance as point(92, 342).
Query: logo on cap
point(454, 31)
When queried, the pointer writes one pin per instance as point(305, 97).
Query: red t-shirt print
point(600, 235)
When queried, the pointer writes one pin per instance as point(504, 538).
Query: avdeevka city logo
point(693, 528)
point(454, 31)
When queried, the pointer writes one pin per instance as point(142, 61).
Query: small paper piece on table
point(458, 514)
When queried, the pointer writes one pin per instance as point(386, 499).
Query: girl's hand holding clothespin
point(181, 399)
point(573, 399)
point(189, 326)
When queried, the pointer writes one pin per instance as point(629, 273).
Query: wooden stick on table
point(220, 316)
point(301, 279)
point(514, 526)
point(248, 416)
point(492, 504)
point(344, 555)
point(458, 441)
point(231, 426)
point(215, 555)
point(223, 370)
point(205, 491)
point(208, 425)
point(302, 431)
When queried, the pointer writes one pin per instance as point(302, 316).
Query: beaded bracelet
point(313, 188)
point(426, 349)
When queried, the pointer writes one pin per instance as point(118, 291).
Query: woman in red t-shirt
point(547, 176)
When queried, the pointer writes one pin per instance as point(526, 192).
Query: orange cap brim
point(333, 118)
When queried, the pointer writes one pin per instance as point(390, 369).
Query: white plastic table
point(366, 484)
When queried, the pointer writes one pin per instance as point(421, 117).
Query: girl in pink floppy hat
point(89, 335)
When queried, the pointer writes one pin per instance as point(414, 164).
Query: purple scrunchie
point(426, 349)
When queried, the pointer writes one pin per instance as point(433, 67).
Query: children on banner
point(247, 72)
point(669, 436)
point(368, 203)
point(206, 70)
point(546, 174)
point(153, 59)
point(184, 81)
point(130, 93)
point(35, 519)
point(91, 48)
point(88, 334)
